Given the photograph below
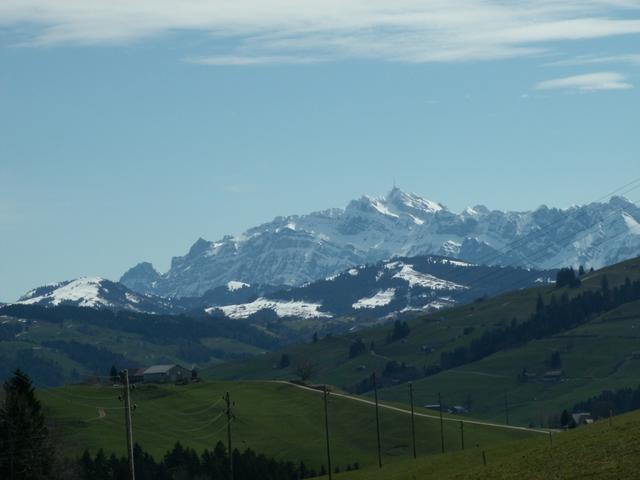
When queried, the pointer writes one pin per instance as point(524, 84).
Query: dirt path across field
point(423, 415)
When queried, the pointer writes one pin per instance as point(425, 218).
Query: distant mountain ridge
point(403, 285)
point(299, 249)
point(95, 292)
point(362, 294)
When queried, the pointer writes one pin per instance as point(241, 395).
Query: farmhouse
point(136, 375)
point(582, 418)
point(166, 374)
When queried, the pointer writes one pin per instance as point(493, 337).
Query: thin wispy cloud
point(240, 60)
point(588, 82)
point(626, 59)
point(288, 31)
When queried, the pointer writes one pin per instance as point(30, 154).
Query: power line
point(227, 400)
point(536, 233)
point(487, 259)
point(560, 263)
point(375, 390)
point(326, 428)
point(571, 237)
point(127, 417)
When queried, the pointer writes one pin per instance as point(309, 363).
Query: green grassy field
point(597, 451)
point(594, 356)
point(280, 420)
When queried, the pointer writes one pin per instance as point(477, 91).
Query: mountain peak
point(199, 247)
point(297, 249)
point(84, 290)
point(141, 278)
point(620, 201)
point(412, 202)
point(94, 292)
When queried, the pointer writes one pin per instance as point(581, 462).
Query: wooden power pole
point(229, 446)
point(441, 422)
point(375, 390)
point(413, 420)
point(326, 428)
point(506, 407)
point(127, 419)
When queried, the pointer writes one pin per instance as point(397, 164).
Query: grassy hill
point(276, 419)
point(69, 343)
point(594, 356)
point(594, 451)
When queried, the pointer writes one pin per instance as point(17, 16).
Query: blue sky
point(130, 129)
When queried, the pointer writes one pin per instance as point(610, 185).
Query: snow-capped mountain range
point(368, 292)
point(298, 249)
point(389, 288)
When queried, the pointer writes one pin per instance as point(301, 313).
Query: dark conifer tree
point(26, 451)
point(113, 374)
point(285, 361)
point(539, 304)
point(565, 419)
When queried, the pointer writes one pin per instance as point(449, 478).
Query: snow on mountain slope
point(416, 284)
point(380, 299)
point(414, 278)
point(234, 285)
point(94, 292)
point(299, 249)
point(85, 292)
point(365, 292)
point(296, 309)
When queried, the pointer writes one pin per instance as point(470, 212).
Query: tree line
point(185, 463)
point(606, 403)
point(557, 316)
point(29, 450)
point(178, 331)
point(167, 329)
point(560, 314)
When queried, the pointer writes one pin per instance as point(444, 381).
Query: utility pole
point(441, 422)
point(413, 422)
point(326, 427)
point(462, 433)
point(506, 406)
point(11, 454)
point(127, 418)
point(610, 417)
point(229, 416)
point(375, 390)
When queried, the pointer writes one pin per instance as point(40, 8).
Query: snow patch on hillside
point(415, 278)
point(85, 290)
point(380, 299)
point(632, 224)
point(282, 309)
point(234, 285)
point(381, 207)
point(457, 263)
point(132, 298)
